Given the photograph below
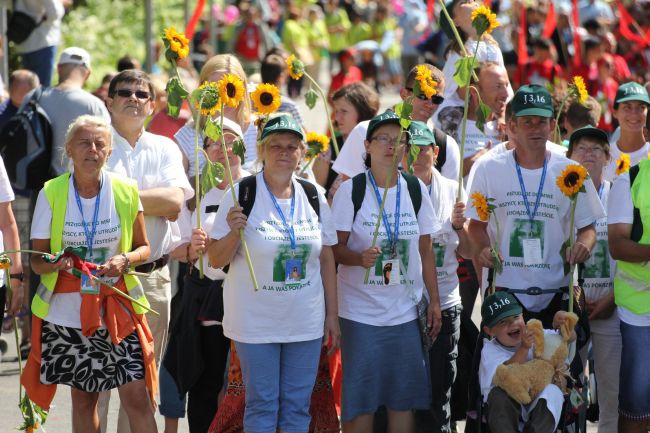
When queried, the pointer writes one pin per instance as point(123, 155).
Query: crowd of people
point(368, 262)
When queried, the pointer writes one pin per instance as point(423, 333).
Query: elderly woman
point(278, 328)
point(197, 349)
point(379, 318)
point(84, 334)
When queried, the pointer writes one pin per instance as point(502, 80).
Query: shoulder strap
point(247, 190)
point(415, 192)
point(312, 194)
point(441, 142)
point(637, 225)
point(358, 192)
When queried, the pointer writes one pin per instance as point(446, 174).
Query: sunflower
point(622, 164)
point(5, 262)
point(177, 43)
point(316, 143)
point(480, 202)
point(579, 89)
point(425, 80)
point(207, 99)
point(483, 20)
point(296, 67)
point(231, 90)
point(266, 98)
point(571, 180)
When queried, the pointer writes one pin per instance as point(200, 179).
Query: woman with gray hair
point(84, 335)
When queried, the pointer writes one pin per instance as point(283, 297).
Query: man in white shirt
point(155, 162)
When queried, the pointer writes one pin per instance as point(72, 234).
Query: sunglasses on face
point(126, 93)
point(435, 99)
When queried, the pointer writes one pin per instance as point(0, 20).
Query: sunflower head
point(571, 180)
point(578, 89)
point(231, 90)
point(425, 83)
point(5, 262)
point(483, 208)
point(296, 67)
point(176, 44)
point(622, 164)
point(316, 143)
point(266, 98)
point(206, 98)
point(483, 20)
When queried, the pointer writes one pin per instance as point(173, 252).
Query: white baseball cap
point(75, 56)
point(233, 126)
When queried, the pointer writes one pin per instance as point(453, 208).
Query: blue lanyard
point(90, 236)
point(601, 188)
point(392, 237)
point(538, 200)
point(287, 227)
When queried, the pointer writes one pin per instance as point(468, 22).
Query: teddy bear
point(524, 382)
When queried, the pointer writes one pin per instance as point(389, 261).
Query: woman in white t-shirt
point(92, 339)
point(382, 353)
point(278, 327)
point(589, 146)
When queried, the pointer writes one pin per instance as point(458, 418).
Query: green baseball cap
point(532, 100)
point(282, 123)
point(387, 117)
point(420, 134)
point(631, 92)
point(587, 131)
point(499, 306)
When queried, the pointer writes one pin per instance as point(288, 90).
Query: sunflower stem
point(557, 134)
point(197, 181)
point(306, 166)
point(574, 201)
point(10, 294)
point(463, 134)
point(234, 200)
point(497, 248)
point(457, 35)
point(327, 113)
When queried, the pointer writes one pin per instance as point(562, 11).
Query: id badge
point(88, 285)
point(293, 271)
point(390, 272)
point(532, 251)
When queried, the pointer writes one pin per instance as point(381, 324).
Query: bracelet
point(20, 276)
point(128, 263)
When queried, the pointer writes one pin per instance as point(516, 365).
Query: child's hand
point(527, 338)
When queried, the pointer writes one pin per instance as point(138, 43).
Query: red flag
point(522, 48)
point(626, 21)
point(196, 15)
point(550, 23)
point(577, 58)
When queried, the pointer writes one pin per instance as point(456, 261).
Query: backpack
point(20, 25)
point(26, 145)
point(359, 191)
point(637, 225)
point(441, 142)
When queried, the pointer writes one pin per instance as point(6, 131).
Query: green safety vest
point(632, 280)
point(126, 198)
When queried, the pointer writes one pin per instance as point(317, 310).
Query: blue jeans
point(41, 62)
point(279, 379)
point(634, 386)
point(171, 403)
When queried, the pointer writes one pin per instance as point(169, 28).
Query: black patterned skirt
point(91, 364)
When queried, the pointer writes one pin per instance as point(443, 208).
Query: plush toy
point(524, 382)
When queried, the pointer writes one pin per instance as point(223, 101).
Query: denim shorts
point(634, 387)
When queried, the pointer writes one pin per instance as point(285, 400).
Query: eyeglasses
point(596, 150)
point(385, 140)
point(126, 93)
point(435, 99)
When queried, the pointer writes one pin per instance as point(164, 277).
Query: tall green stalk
point(327, 113)
point(497, 248)
point(197, 176)
point(574, 201)
point(463, 132)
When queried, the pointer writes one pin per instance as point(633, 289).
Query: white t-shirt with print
point(6, 195)
point(445, 242)
point(497, 178)
point(620, 210)
point(278, 312)
point(375, 303)
point(65, 307)
point(450, 120)
point(609, 172)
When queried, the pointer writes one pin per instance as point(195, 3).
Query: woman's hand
point(602, 308)
point(63, 264)
point(199, 241)
point(369, 257)
point(486, 259)
point(332, 337)
point(236, 219)
point(114, 267)
point(458, 216)
point(434, 319)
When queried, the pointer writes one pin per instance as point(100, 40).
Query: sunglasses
point(435, 99)
point(126, 93)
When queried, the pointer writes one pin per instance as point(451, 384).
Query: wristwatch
point(20, 276)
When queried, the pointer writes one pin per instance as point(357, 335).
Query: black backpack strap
point(247, 190)
point(637, 225)
point(358, 192)
point(441, 142)
point(413, 185)
point(312, 194)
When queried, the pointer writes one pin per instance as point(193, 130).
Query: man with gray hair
point(21, 82)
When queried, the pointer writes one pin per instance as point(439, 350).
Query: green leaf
point(412, 155)
point(482, 114)
point(211, 176)
point(239, 149)
point(405, 112)
point(212, 130)
point(311, 97)
point(176, 93)
point(563, 250)
point(498, 264)
point(464, 68)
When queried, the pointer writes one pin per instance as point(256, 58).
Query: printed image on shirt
point(598, 264)
point(439, 251)
point(525, 229)
point(284, 254)
point(402, 250)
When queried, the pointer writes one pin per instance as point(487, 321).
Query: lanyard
point(392, 237)
point(601, 188)
point(90, 236)
point(287, 227)
point(538, 199)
